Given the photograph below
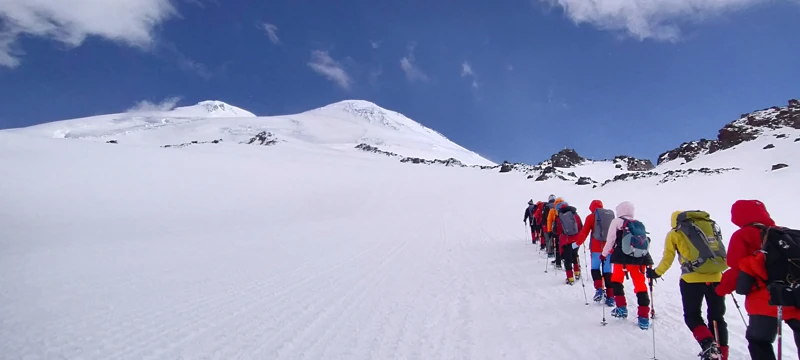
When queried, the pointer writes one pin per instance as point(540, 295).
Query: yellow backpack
point(707, 254)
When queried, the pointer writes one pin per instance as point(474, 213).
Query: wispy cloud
point(510, 67)
point(642, 19)
point(323, 64)
point(466, 71)
point(375, 43)
point(272, 32)
point(169, 51)
point(409, 66)
point(130, 22)
point(145, 105)
point(374, 74)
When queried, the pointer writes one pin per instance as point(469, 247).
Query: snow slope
point(340, 126)
point(246, 252)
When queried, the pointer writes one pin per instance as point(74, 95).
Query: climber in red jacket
point(747, 264)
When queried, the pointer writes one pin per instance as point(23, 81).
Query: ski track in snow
point(290, 260)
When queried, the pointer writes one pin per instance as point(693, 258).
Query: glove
point(602, 258)
point(652, 274)
point(574, 246)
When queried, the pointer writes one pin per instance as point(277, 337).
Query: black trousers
point(692, 295)
point(761, 333)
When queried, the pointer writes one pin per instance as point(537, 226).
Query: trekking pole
point(653, 315)
point(780, 332)
point(546, 264)
point(586, 299)
point(740, 310)
point(602, 275)
point(585, 260)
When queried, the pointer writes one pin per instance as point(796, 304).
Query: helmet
point(551, 198)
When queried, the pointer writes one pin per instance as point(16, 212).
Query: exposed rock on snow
point(195, 142)
point(769, 146)
point(779, 166)
point(566, 158)
point(506, 167)
point(633, 164)
point(112, 142)
point(448, 162)
point(585, 181)
point(668, 176)
point(372, 149)
point(748, 127)
point(263, 138)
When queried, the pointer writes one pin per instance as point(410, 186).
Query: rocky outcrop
point(746, 128)
point(566, 158)
point(195, 142)
point(372, 149)
point(263, 138)
point(769, 146)
point(506, 167)
point(112, 142)
point(448, 162)
point(779, 166)
point(667, 176)
point(633, 164)
point(585, 181)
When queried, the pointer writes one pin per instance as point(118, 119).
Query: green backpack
point(707, 254)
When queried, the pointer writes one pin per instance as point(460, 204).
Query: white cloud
point(409, 66)
point(656, 19)
point(272, 32)
point(129, 22)
point(323, 64)
point(510, 67)
point(375, 43)
point(466, 69)
point(165, 105)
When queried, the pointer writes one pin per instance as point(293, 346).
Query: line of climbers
point(762, 263)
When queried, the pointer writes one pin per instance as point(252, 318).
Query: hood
point(539, 203)
point(674, 218)
point(746, 212)
point(596, 204)
point(558, 201)
point(626, 209)
point(530, 202)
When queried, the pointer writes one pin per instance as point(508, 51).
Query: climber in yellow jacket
point(697, 283)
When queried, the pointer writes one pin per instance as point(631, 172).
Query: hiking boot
point(644, 323)
point(620, 312)
point(570, 281)
point(710, 350)
point(598, 295)
point(577, 275)
point(559, 267)
point(610, 302)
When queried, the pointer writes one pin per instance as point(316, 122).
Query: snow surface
point(341, 126)
point(296, 251)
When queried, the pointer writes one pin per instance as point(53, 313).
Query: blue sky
point(513, 80)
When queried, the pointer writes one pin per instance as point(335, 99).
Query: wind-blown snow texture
point(310, 249)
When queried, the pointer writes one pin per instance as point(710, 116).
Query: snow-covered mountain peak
point(372, 113)
point(215, 108)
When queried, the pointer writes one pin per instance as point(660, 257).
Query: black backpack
point(781, 247)
point(545, 211)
